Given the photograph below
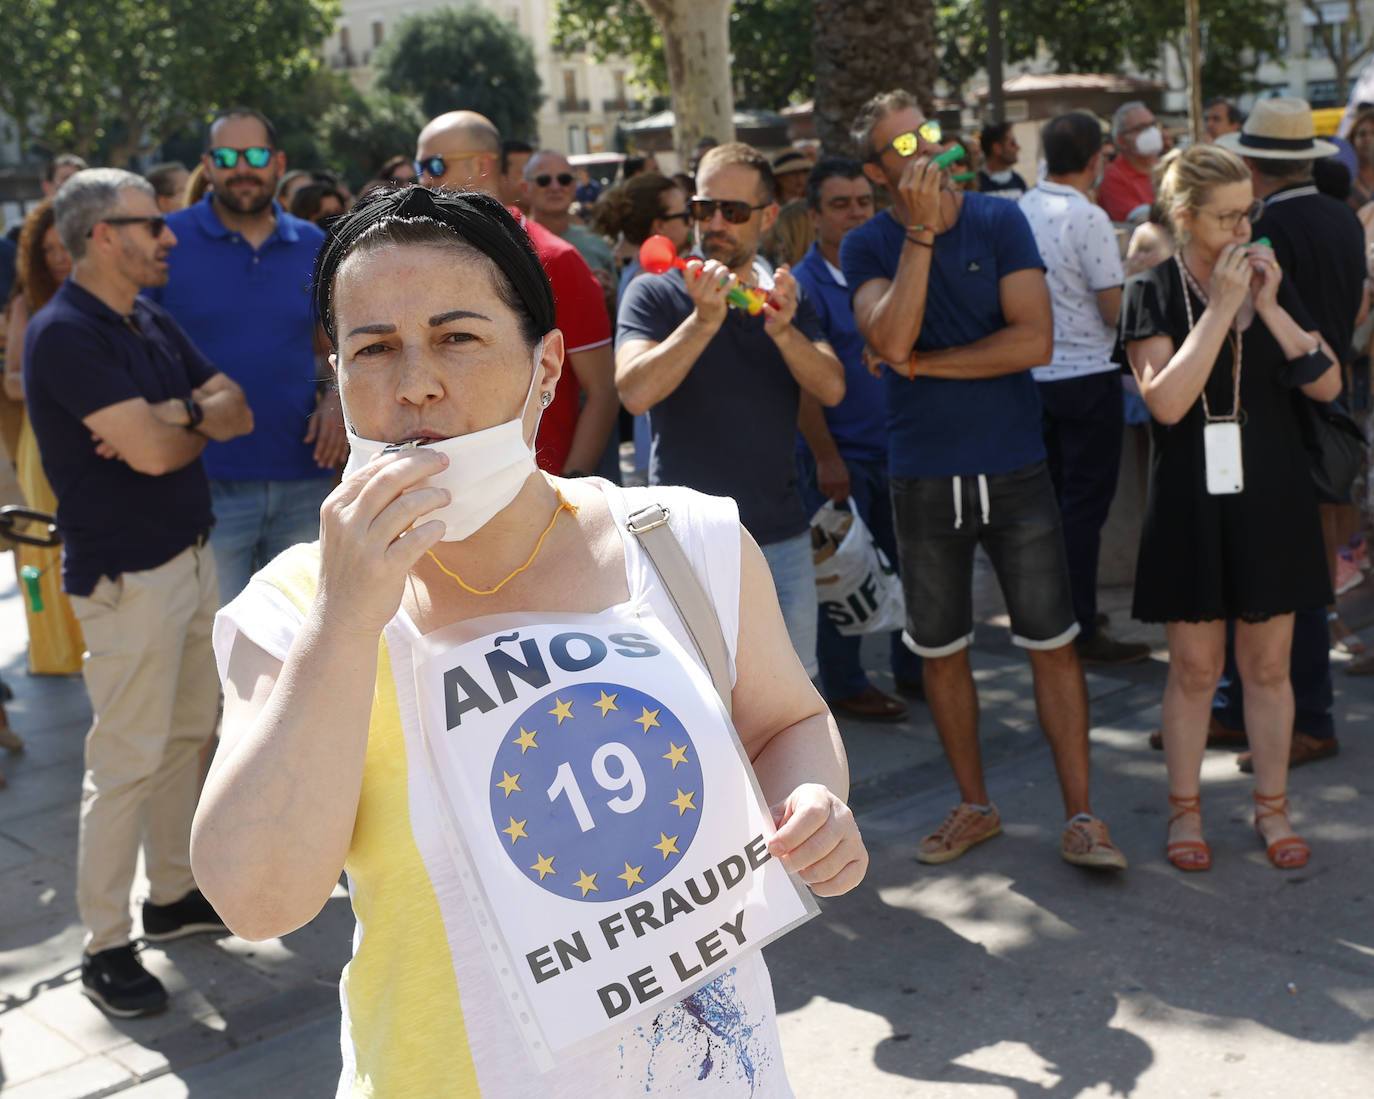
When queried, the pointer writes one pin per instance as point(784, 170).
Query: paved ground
point(1005, 973)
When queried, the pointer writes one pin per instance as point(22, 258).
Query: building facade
point(585, 101)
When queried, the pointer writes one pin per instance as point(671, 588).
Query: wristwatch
point(194, 413)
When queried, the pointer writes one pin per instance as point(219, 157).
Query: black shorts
point(1014, 517)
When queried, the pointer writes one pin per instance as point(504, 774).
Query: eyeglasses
point(1231, 218)
point(682, 216)
point(258, 156)
point(155, 224)
point(734, 210)
point(543, 179)
point(436, 166)
point(905, 145)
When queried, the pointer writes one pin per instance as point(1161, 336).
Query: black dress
point(1251, 555)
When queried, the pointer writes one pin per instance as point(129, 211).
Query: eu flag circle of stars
point(622, 854)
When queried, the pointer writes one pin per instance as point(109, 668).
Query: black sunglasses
point(682, 216)
point(734, 210)
point(259, 156)
point(436, 165)
point(543, 179)
point(155, 224)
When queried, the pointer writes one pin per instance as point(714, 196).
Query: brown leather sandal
point(1188, 854)
point(1288, 852)
point(871, 705)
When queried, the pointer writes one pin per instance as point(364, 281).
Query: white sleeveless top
point(423, 1010)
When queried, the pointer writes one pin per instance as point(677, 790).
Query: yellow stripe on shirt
point(405, 1015)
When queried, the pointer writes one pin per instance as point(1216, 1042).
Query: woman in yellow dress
point(55, 642)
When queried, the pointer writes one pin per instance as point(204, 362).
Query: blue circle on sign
point(596, 792)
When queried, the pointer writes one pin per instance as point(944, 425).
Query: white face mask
point(486, 469)
point(1150, 141)
point(1000, 177)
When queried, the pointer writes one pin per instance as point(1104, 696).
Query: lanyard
point(1232, 336)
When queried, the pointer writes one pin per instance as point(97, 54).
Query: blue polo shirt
point(249, 312)
point(942, 427)
point(81, 356)
point(858, 424)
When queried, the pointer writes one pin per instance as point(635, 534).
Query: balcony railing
point(569, 106)
point(621, 105)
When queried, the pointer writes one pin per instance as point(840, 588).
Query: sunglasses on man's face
point(155, 224)
point(437, 166)
point(734, 210)
point(543, 179)
point(258, 156)
point(905, 145)
point(682, 216)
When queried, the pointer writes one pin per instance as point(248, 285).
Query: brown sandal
point(1288, 852)
point(1188, 854)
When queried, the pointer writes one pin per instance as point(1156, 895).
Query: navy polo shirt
point(948, 427)
point(81, 356)
point(249, 312)
point(730, 427)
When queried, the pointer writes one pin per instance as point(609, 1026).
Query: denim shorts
point(1014, 517)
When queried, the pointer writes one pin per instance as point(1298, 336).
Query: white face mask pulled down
point(486, 469)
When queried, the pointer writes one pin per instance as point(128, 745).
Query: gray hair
point(1119, 116)
point(873, 112)
point(88, 197)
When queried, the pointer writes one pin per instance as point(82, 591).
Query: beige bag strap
point(650, 525)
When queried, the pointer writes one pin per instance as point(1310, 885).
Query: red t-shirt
point(1123, 188)
point(580, 313)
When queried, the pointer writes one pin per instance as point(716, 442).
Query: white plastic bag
point(857, 585)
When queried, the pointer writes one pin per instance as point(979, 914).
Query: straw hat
point(1279, 129)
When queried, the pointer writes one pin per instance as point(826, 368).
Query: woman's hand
point(1230, 281)
point(818, 838)
point(368, 540)
point(1265, 277)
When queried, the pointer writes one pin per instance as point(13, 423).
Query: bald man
point(461, 150)
point(549, 186)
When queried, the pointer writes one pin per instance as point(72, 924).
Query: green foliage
point(770, 45)
point(613, 28)
point(467, 59)
point(134, 71)
point(1104, 36)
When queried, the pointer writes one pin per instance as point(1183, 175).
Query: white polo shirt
point(1078, 246)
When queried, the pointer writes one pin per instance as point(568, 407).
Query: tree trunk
point(862, 47)
point(696, 47)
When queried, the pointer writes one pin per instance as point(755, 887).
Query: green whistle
point(962, 177)
point(1264, 241)
point(30, 576)
point(949, 156)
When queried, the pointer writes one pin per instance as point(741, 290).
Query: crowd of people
point(345, 424)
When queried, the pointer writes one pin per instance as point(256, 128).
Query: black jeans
point(1083, 424)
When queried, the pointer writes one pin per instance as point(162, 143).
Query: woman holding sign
point(1218, 343)
point(475, 695)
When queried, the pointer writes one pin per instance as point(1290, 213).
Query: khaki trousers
point(150, 673)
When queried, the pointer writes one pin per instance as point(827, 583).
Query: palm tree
point(862, 47)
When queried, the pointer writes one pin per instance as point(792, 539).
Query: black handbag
point(1335, 445)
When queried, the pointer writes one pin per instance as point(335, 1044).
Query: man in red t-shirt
point(462, 149)
point(1128, 183)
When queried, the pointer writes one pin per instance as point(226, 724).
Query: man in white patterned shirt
point(1080, 389)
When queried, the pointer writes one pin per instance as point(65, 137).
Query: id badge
point(1221, 451)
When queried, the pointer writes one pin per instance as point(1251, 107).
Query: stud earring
point(545, 399)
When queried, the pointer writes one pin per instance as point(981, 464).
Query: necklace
point(563, 506)
point(1233, 337)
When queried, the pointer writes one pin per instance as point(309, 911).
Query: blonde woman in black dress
point(1216, 340)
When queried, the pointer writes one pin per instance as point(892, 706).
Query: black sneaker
point(191, 915)
point(1101, 649)
point(117, 983)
